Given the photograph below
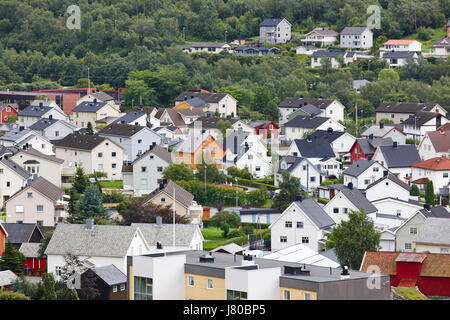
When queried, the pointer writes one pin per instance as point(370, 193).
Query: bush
point(235, 233)
point(9, 295)
point(322, 200)
point(113, 197)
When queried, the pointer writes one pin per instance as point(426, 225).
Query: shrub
point(113, 197)
point(322, 200)
point(9, 295)
point(235, 233)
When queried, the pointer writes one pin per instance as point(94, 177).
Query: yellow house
point(195, 150)
point(204, 287)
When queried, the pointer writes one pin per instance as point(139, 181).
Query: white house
point(208, 47)
point(386, 187)
point(135, 140)
point(306, 49)
point(385, 131)
point(53, 129)
point(20, 137)
point(223, 103)
point(300, 125)
point(435, 143)
point(12, 178)
point(435, 169)
point(32, 114)
point(322, 35)
point(317, 56)
point(399, 58)
point(304, 221)
point(400, 46)
point(259, 215)
point(309, 174)
point(363, 172)
point(356, 38)
point(422, 122)
point(397, 207)
point(387, 240)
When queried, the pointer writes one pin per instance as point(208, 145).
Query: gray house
point(356, 38)
point(255, 51)
point(274, 30)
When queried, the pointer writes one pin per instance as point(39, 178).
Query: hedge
point(251, 183)
point(207, 223)
point(10, 295)
point(322, 200)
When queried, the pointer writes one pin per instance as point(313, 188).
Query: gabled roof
point(102, 96)
point(330, 136)
point(327, 53)
point(380, 132)
point(175, 117)
point(398, 54)
point(316, 213)
point(399, 42)
point(30, 249)
point(400, 156)
point(15, 134)
point(88, 106)
point(353, 30)
point(440, 140)
point(434, 231)
point(405, 107)
point(15, 167)
point(271, 22)
point(184, 233)
point(33, 111)
point(358, 167)
point(7, 278)
point(131, 116)
point(208, 45)
point(20, 232)
point(393, 178)
point(435, 212)
point(121, 130)
point(102, 241)
point(6, 104)
point(157, 150)
point(181, 195)
point(194, 112)
point(357, 198)
point(310, 109)
point(300, 102)
point(197, 102)
point(438, 163)
point(79, 141)
point(110, 274)
point(314, 148)
point(306, 122)
point(33, 152)
point(324, 31)
point(369, 146)
point(205, 96)
point(47, 189)
point(420, 118)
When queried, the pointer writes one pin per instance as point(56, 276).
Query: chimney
point(330, 130)
point(159, 245)
point(50, 117)
point(381, 125)
point(371, 136)
point(345, 274)
point(422, 101)
point(369, 158)
point(385, 173)
point(89, 224)
point(158, 220)
point(299, 198)
point(21, 128)
point(41, 104)
point(426, 207)
point(350, 186)
point(95, 100)
point(247, 260)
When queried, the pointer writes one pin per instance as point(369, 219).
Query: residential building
point(363, 172)
point(304, 221)
point(110, 282)
point(8, 111)
point(322, 35)
point(20, 233)
point(53, 129)
point(386, 131)
point(435, 143)
point(12, 178)
point(434, 236)
point(393, 207)
point(317, 56)
point(274, 31)
point(41, 202)
point(222, 103)
point(300, 167)
point(306, 49)
point(387, 240)
point(169, 132)
point(92, 153)
point(139, 118)
point(441, 46)
point(176, 197)
point(99, 96)
point(399, 58)
point(197, 149)
point(267, 129)
point(31, 114)
point(428, 272)
point(356, 38)
point(398, 159)
point(34, 266)
point(386, 187)
point(435, 169)
point(251, 51)
point(170, 117)
point(417, 125)
point(366, 147)
point(400, 111)
point(208, 47)
point(86, 112)
point(330, 108)
point(146, 170)
point(340, 141)
point(298, 127)
point(20, 137)
point(259, 215)
point(411, 46)
point(134, 140)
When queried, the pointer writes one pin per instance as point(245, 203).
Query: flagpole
point(356, 128)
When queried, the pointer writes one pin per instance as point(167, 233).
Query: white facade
point(396, 207)
point(418, 132)
point(57, 130)
point(292, 133)
point(400, 172)
point(362, 40)
point(399, 45)
point(387, 241)
point(55, 113)
point(427, 150)
point(281, 33)
point(343, 144)
point(10, 183)
point(339, 207)
point(385, 189)
point(440, 178)
point(370, 175)
point(309, 175)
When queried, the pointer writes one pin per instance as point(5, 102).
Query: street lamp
point(236, 194)
point(226, 31)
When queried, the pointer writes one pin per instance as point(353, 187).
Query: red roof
point(438, 163)
point(399, 42)
point(421, 181)
point(411, 257)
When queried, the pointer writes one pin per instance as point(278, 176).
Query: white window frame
point(191, 281)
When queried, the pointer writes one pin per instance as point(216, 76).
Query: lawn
point(427, 44)
point(118, 184)
point(213, 233)
point(410, 293)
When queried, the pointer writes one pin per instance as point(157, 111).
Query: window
point(305, 239)
point(307, 296)
point(143, 169)
point(160, 169)
point(56, 133)
point(258, 169)
point(312, 179)
point(113, 154)
point(408, 246)
point(113, 165)
point(42, 146)
point(283, 239)
point(413, 230)
point(366, 181)
point(288, 224)
point(29, 194)
point(151, 157)
point(114, 288)
point(300, 224)
point(122, 287)
point(140, 141)
point(335, 210)
point(444, 250)
point(8, 184)
point(236, 295)
point(399, 212)
point(190, 281)
point(19, 209)
point(40, 208)
point(58, 270)
point(100, 154)
point(287, 295)
point(376, 169)
point(143, 288)
point(39, 222)
point(445, 175)
point(100, 166)
point(304, 168)
point(345, 210)
point(163, 200)
point(209, 283)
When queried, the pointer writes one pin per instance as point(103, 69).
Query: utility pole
point(173, 214)
point(89, 82)
point(236, 194)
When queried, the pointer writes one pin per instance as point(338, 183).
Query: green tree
point(49, 291)
point(289, 190)
point(223, 218)
point(80, 181)
point(9, 295)
point(223, 125)
point(213, 175)
point(414, 190)
point(430, 197)
point(44, 243)
point(89, 206)
point(12, 259)
point(89, 129)
point(353, 238)
point(257, 198)
point(178, 171)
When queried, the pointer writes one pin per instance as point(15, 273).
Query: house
point(386, 187)
point(92, 153)
point(146, 171)
point(134, 140)
point(8, 111)
point(400, 111)
point(39, 164)
point(251, 51)
point(435, 169)
point(209, 47)
point(139, 118)
point(99, 96)
point(19, 233)
point(274, 31)
point(34, 266)
point(187, 236)
point(397, 159)
point(406, 234)
point(259, 215)
point(306, 49)
point(363, 172)
point(298, 127)
point(268, 129)
point(386, 131)
point(346, 200)
point(108, 280)
point(309, 174)
point(304, 221)
point(86, 112)
point(170, 117)
point(3, 236)
point(356, 38)
point(435, 143)
point(32, 114)
point(393, 207)
point(404, 46)
point(95, 245)
point(202, 275)
point(20, 137)
point(399, 58)
point(7, 126)
point(358, 84)
point(307, 110)
point(172, 193)
point(322, 36)
point(317, 56)
point(340, 141)
point(41, 202)
point(441, 46)
point(53, 129)
point(222, 103)
point(434, 236)
point(428, 272)
point(12, 178)
point(387, 240)
point(328, 192)
point(330, 108)
point(197, 149)
point(169, 132)
point(417, 125)
point(7, 280)
point(208, 126)
point(365, 148)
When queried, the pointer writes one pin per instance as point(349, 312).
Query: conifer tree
point(12, 259)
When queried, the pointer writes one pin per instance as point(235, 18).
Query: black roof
point(88, 106)
point(43, 124)
point(20, 232)
point(420, 118)
point(398, 54)
point(314, 148)
point(271, 22)
point(400, 156)
point(327, 53)
point(300, 102)
point(330, 135)
point(358, 167)
point(405, 107)
point(79, 141)
point(436, 212)
point(34, 111)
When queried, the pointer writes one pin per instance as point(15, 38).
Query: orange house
point(194, 150)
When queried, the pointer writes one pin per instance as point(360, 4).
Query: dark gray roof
point(257, 49)
point(330, 136)
point(79, 141)
point(405, 107)
point(197, 102)
point(330, 254)
point(314, 148)
point(316, 213)
point(271, 22)
point(398, 55)
point(87, 106)
point(33, 111)
point(358, 167)
point(47, 189)
point(359, 200)
point(15, 167)
point(258, 211)
point(300, 102)
point(131, 116)
point(311, 109)
point(353, 30)
point(121, 130)
point(327, 53)
point(20, 232)
point(369, 146)
point(393, 178)
point(15, 134)
point(436, 212)
point(205, 96)
point(420, 118)
point(306, 122)
point(400, 156)
point(102, 96)
point(110, 274)
point(42, 124)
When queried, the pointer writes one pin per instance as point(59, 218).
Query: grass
point(213, 233)
point(410, 293)
point(427, 44)
point(3, 216)
point(118, 184)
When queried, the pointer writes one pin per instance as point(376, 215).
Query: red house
point(33, 265)
point(266, 127)
point(365, 148)
point(8, 110)
point(430, 272)
point(3, 236)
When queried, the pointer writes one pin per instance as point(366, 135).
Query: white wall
point(390, 206)
point(386, 189)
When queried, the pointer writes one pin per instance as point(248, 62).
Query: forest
point(131, 44)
